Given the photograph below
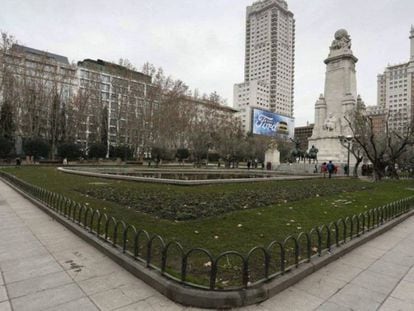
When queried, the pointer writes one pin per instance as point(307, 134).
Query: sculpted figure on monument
point(330, 123)
point(342, 40)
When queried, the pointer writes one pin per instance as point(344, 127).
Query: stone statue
point(313, 153)
point(296, 142)
point(342, 40)
point(297, 153)
point(272, 145)
point(330, 123)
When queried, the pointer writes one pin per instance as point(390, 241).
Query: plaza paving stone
point(43, 266)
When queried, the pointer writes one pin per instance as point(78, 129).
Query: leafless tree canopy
point(47, 100)
point(383, 148)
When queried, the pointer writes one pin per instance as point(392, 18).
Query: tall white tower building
point(269, 61)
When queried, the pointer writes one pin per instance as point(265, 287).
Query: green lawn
point(228, 216)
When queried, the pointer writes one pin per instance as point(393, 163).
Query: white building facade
point(269, 61)
point(396, 92)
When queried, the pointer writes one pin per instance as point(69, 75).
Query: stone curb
point(182, 182)
point(200, 298)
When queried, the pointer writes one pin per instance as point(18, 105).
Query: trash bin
point(269, 166)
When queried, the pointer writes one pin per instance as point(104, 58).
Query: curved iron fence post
point(328, 236)
point(245, 268)
point(370, 220)
point(266, 258)
point(88, 212)
point(334, 224)
point(213, 269)
point(95, 212)
point(213, 275)
point(149, 247)
point(115, 234)
point(136, 241)
point(165, 254)
point(308, 244)
point(184, 270)
point(108, 221)
point(55, 200)
point(319, 235)
point(245, 273)
point(98, 229)
point(296, 248)
point(81, 209)
point(364, 223)
point(282, 254)
point(386, 209)
point(351, 229)
point(69, 212)
point(58, 203)
point(125, 236)
point(344, 232)
point(355, 217)
point(52, 199)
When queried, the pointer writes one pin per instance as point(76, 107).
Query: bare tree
point(172, 115)
point(358, 153)
point(383, 149)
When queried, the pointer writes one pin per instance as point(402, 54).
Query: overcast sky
point(202, 41)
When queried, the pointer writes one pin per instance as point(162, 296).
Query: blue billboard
point(271, 124)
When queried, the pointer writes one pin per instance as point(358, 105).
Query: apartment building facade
point(116, 104)
point(40, 85)
point(395, 89)
point(93, 101)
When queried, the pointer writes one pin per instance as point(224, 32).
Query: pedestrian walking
point(331, 169)
point(324, 169)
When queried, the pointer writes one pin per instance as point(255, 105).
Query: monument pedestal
point(331, 149)
point(272, 156)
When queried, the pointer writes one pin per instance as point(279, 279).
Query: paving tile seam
point(12, 212)
point(27, 224)
point(33, 278)
point(7, 291)
point(393, 289)
point(74, 278)
point(399, 299)
point(135, 302)
point(66, 272)
point(363, 270)
point(67, 302)
point(41, 290)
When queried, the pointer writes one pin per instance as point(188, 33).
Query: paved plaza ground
point(44, 266)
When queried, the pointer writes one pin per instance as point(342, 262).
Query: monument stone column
point(338, 101)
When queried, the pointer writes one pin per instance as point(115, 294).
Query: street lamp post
point(349, 151)
point(347, 139)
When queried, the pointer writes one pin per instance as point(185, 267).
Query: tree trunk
point(378, 172)
point(358, 162)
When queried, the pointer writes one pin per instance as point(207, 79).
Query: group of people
point(252, 163)
point(329, 168)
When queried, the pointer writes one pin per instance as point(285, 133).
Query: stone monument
point(339, 100)
point(272, 155)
